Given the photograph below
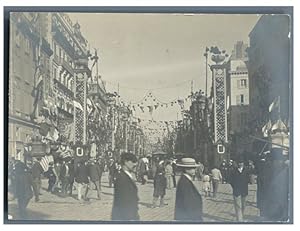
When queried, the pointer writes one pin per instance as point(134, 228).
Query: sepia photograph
point(148, 115)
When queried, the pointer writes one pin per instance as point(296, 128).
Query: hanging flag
point(156, 106)
point(142, 108)
point(274, 104)
point(90, 106)
point(266, 128)
point(150, 109)
point(45, 162)
point(181, 103)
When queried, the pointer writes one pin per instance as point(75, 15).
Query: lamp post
point(206, 64)
point(219, 95)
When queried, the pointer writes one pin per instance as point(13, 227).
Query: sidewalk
point(53, 207)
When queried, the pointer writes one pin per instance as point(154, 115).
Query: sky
point(162, 52)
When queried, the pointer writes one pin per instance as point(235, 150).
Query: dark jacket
point(160, 184)
point(239, 182)
point(93, 172)
point(81, 175)
point(125, 204)
point(23, 182)
point(188, 205)
point(65, 171)
point(100, 166)
point(36, 170)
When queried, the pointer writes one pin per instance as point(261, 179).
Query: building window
point(243, 82)
point(242, 99)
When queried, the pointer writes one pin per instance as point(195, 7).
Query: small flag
point(274, 104)
point(45, 162)
point(266, 128)
point(150, 109)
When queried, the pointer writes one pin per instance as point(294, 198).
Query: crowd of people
point(85, 175)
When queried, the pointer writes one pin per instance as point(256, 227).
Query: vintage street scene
point(149, 117)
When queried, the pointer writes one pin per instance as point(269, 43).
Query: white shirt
point(188, 176)
point(128, 173)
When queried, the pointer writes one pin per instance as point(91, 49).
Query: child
point(160, 185)
point(206, 184)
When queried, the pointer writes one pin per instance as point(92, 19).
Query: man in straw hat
point(188, 204)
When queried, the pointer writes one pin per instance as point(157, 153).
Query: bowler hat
point(187, 163)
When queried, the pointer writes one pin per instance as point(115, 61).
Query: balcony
point(64, 88)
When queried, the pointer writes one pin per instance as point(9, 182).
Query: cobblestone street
point(53, 207)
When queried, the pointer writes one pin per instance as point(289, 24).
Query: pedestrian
point(72, 175)
point(94, 175)
point(12, 178)
point(160, 185)
point(251, 169)
point(174, 173)
point(51, 175)
point(216, 178)
point(276, 205)
point(169, 173)
point(143, 169)
point(36, 172)
point(206, 184)
point(24, 184)
point(239, 183)
point(100, 168)
point(65, 177)
point(112, 169)
point(57, 169)
point(223, 169)
point(199, 171)
point(82, 180)
point(125, 203)
point(188, 204)
point(261, 167)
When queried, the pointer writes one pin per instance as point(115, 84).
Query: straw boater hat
point(187, 163)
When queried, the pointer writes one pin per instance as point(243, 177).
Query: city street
point(53, 207)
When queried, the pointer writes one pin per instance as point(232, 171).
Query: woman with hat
point(188, 205)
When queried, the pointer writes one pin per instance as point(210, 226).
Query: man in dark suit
point(188, 205)
point(125, 204)
point(24, 186)
point(239, 182)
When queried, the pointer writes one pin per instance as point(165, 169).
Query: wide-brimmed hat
point(188, 163)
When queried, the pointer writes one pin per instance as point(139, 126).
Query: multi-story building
point(68, 44)
point(239, 99)
point(269, 68)
point(29, 77)
point(48, 58)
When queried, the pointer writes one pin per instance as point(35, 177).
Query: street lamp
point(206, 57)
